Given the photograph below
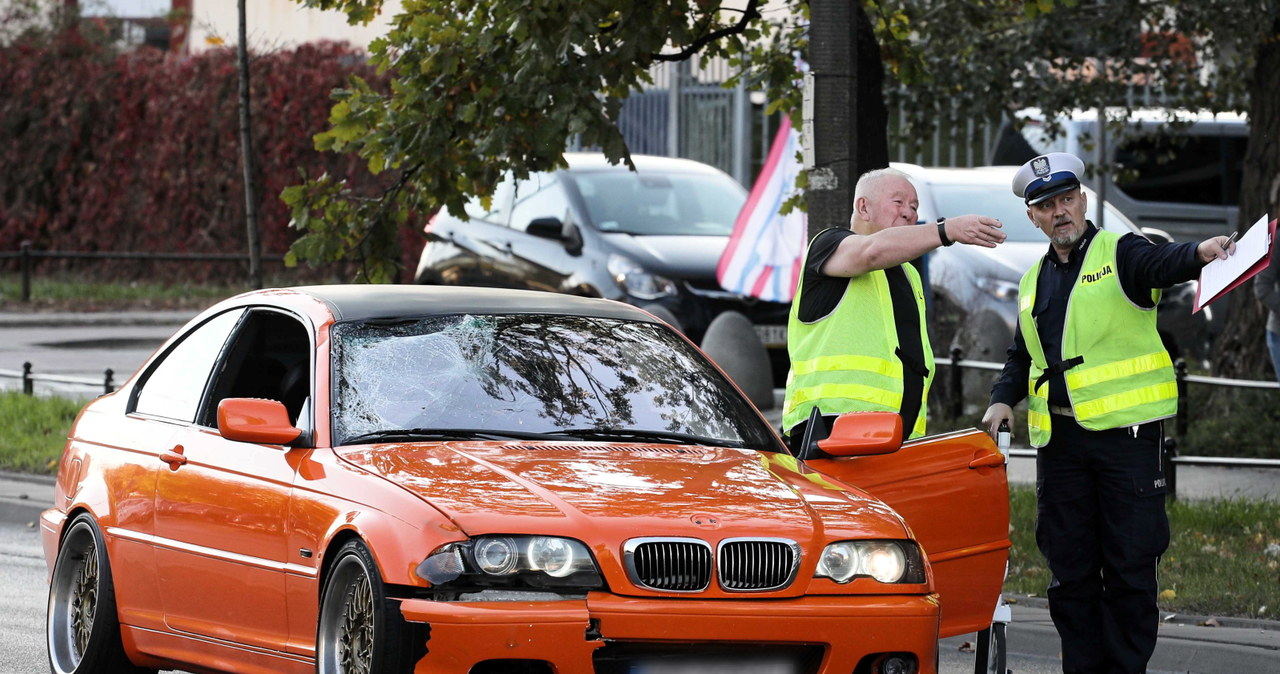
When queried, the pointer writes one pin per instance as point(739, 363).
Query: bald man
point(857, 336)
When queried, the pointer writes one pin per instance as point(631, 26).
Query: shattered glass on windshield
point(532, 373)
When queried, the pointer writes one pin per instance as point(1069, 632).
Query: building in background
point(197, 25)
point(278, 24)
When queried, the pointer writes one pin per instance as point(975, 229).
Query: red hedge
point(140, 151)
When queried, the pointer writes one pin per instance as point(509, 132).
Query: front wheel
point(82, 628)
point(360, 632)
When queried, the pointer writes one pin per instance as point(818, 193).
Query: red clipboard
point(1260, 264)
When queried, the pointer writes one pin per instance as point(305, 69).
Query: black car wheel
point(360, 632)
point(82, 627)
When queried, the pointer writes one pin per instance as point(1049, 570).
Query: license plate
point(772, 335)
point(757, 665)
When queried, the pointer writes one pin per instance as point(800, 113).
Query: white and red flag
point(764, 251)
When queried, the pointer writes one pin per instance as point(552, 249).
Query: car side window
point(269, 357)
point(172, 389)
point(541, 196)
point(499, 207)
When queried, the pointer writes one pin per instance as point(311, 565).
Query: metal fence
point(957, 364)
point(27, 256)
point(29, 378)
point(687, 112)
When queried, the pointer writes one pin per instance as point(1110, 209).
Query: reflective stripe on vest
point(842, 362)
point(1123, 381)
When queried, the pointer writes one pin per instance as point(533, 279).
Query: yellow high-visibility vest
point(1126, 377)
point(846, 361)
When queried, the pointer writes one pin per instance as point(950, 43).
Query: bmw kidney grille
point(685, 564)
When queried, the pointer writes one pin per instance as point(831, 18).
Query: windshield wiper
point(397, 434)
point(648, 436)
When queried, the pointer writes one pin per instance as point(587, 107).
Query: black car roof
point(357, 302)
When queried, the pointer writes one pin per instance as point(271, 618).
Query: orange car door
point(221, 535)
point(952, 491)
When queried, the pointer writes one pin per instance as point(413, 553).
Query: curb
point(1167, 617)
point(33, 478)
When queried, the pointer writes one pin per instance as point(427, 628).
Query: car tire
point(82, 627)
point(359, 631)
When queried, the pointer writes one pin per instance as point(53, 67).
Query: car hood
point(1009, 260)
point(676, 257)
point(570, 488)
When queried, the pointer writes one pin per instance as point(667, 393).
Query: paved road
point(81, 345)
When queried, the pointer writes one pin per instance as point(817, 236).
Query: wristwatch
point(942, 232)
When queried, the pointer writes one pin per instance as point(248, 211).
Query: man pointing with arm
point(856, 334)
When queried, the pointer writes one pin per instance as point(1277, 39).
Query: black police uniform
point(821, 293)
point(1100, 520)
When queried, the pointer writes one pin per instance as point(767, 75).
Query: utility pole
point(246, 155)
point(848, 127)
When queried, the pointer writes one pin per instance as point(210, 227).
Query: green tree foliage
point(481, 87)
point(485, 86)
point(964, 60)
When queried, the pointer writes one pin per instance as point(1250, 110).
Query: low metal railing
point(1171, 457)
point(29, 379)
point(27, 255)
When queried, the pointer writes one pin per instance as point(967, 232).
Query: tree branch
point(749, 13)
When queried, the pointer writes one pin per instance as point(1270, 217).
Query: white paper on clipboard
point(1220, 276)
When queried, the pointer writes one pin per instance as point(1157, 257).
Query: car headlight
point(637, 282)
point(496, 556)
point(512, 562)
point(556, 557)
point(885, 561)
point(1000, 289)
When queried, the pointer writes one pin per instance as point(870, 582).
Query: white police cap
point(1046, 176)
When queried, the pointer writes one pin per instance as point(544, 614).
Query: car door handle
point(988, 461)
point(174, 457)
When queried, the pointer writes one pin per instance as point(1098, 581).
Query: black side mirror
point(546, 228)
point(555, 229)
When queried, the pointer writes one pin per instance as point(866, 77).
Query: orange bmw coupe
point(365, 479)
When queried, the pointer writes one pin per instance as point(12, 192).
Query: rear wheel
point(360, 632)
point(82, 628)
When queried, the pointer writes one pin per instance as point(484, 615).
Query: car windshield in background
point(517, 376)
point(953, 200)
point(660, 204)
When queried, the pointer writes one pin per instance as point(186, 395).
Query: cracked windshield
point(523, 376)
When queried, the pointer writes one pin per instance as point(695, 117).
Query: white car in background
point(975, 289)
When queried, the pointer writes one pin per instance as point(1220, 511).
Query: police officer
point(856, 334)
point(1098, 381)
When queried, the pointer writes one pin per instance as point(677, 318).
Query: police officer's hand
point(995, 414)
point(976, 230)
point(1215, 248)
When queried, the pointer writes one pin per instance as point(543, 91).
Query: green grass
point(33, 431)
point(77, 292)
point(70, 293)
point(1217, 563)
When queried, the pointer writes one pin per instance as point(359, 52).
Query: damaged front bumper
point(607, 633)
